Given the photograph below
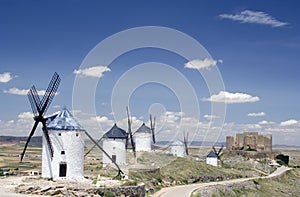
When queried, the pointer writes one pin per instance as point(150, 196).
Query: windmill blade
point(50, 92)
point(33, 103)
point(185, 141)
point(28, 140)
point(152, 125)
point(119, 169)
point(36, 98)
point(130, 133)
point(220, 150)
point(47, 137)
point(214, 149)
point(93, 147)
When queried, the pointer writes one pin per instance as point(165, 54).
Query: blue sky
point(255, 45)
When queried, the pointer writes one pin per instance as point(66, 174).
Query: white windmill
point(180, 148)
point(143, 138)
point(114, 144)
point(67, 137)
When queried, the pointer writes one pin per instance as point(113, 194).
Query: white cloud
point(95, 71)
point(104, 120)
point(264, 122)
point(253, 126)
point(256, 114)
point(56, 107)
point(5, 77)
point(228, 97)
point(255, 17)
point(10, 121)
point(18, 91)
point(210, 117)
point(25, 115)
point(200, 64)
point(288, 122)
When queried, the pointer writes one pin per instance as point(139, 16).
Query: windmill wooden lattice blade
point(50, 93)
point(130, 133)
point(48, 140)
point(28, 140)
point(34, 105)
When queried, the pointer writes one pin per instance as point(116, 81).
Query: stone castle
point(249, 141)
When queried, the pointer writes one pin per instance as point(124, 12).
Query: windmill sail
point(152, 127)
point(185, 141)
point(95, 144)
point(219, 152)
point(130, 133)
point(39, 108)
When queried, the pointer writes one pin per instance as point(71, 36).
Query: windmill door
point(62, 170)
point(114, 158)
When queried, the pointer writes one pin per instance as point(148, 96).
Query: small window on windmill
point(59, 134)
point(76, 134)
point(62, 152)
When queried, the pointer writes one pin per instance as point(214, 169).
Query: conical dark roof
point(212, 154)
point(143, 129)
point(116, 132)
point(64, 120)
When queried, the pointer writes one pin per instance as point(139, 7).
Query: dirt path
point(186, 190)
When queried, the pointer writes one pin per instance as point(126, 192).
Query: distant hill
point(285, 146)
point(196, 143)
point(35, 140)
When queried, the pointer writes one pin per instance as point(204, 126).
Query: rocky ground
point(36, 186)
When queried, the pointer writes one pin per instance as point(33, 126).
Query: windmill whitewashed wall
point(143, 138)
point(67, 138)
point(114, 143)
point(212, 159)
point(178, 149)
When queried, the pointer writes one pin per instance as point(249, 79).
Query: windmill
point(96, 143)
point(130, 133)
point(39, 108)
point(185, 141)
point(120, 172)
point(152, 127)
point(219, 152)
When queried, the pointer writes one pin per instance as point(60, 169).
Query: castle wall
point(239, 141)
point(229, 142)
point(252, 140)
point(268, 142)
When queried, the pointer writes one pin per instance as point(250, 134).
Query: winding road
point(186, 190)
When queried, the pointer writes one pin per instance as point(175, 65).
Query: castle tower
point(114, 143)
point(229, 143)
point(67, 137)
point(143, 138)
